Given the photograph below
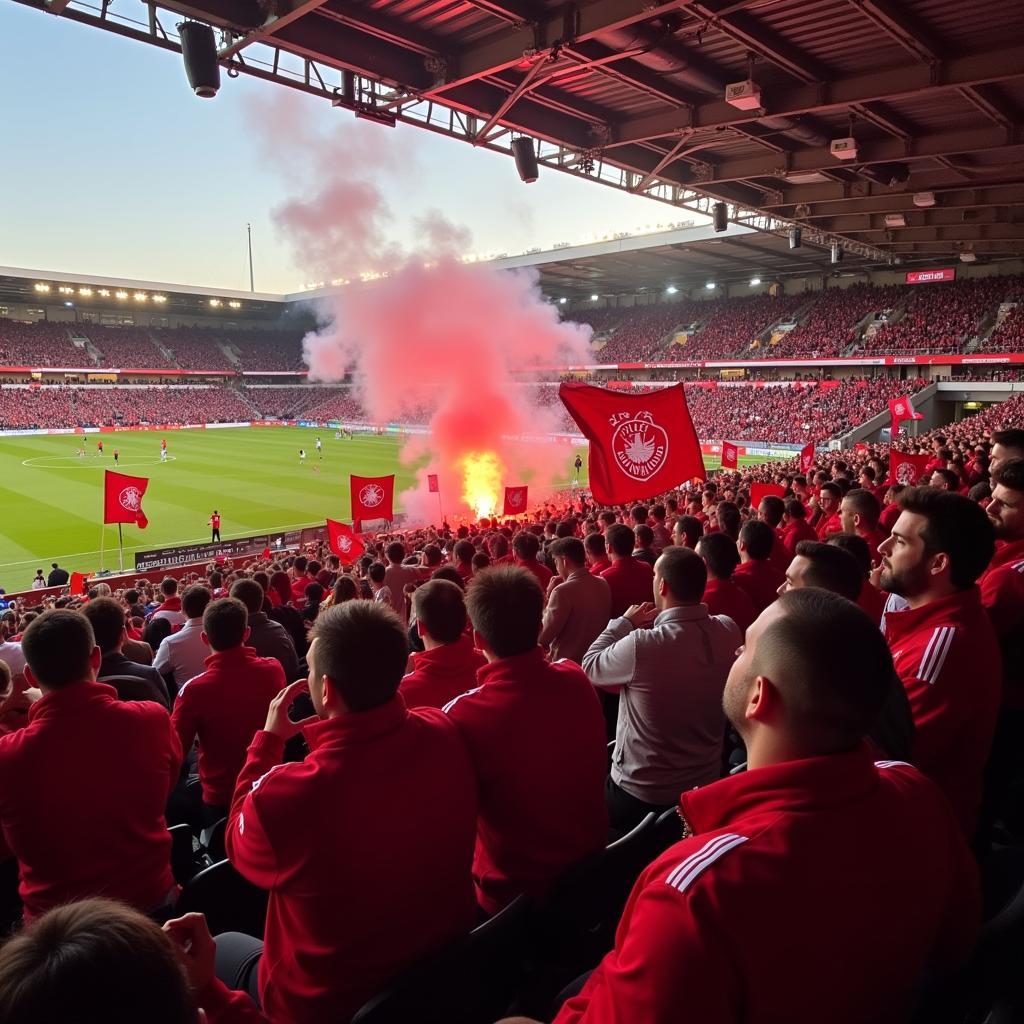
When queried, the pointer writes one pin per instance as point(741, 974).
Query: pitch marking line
point(84, 462)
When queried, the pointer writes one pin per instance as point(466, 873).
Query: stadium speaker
point(720, 213)
point(836, 253)
point(525, 157)
point(199, 48)
point(796, 238)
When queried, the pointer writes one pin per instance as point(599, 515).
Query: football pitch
point(52, 498)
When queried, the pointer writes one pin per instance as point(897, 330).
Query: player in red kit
point(99, 447)
point(117, 456)
point(215, 527)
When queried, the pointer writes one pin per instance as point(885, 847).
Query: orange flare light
point(482, 473)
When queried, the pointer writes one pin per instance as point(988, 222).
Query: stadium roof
point(931, 93)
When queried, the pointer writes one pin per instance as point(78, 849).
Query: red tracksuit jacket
point(947, 655)
point(225, 707)
point(537, 737)
point(798, 530)
point(366, 847)
point(809, 891)
point(727, 597)
point(440, 675)
point(760, 581)
point(82, 793)
point(632, 582)
point(1002, 594)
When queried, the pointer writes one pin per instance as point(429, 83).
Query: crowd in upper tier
point(393, 796)
point(861, 319)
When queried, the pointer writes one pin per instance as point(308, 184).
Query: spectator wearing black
point(270, 639)
point(58, 576)
point(106, 617)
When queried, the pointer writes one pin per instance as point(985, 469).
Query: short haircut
point(595, 544)
point(869, 472)
point(719, 551)
point(956, 526)
point(864, 504)
point(1010, 438)
point(362, 648)
point(525, 545)
point(376, 572)
point(91, 961)
point(729, 519)
point(856, 546)
point(638, 513)
point(58, 647)
point(607, 517)
point(644, 535)
point(345, 589)
point(570, 548)
point(796, 509)
point(481, 560)
point(449, 573)
point(684, 573)
point(225, 622)
point(505, 605)
point(169, 586)
point(106, 616)
point(1010, 475)
point(952, 480)
point(831, 487)
point(758, 538)
point(658, 513)
point(395, 551)
point(830, 702)
point(441, 608)
point(464, 551)
point(773, 507)
point(197, 597)
point(300, 564)
point(691, 528)
point(566, 528)
point(432, 555)
point(620, 539)
point(249, 592)
point(216, 580)
point(831, 568)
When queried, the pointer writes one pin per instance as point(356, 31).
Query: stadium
point(718, 518)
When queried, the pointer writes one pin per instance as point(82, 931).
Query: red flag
point(905, 468)
point(640, 445)
point(266, 553)
point(78, 583)
point(344, 541)
point(807, 458)
point(860, 446)
point(730, 455)
point(903, 409)
point(759, 491)
point(122, 499)
point(515, 501)
point(372, 497)
point(432, 485)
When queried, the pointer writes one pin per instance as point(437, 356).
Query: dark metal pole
point(248, 228)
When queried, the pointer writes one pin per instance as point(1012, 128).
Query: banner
point(432, 484)
point(372, 497)
point(345, 542)
point(730, 455)
point(903, 409)
point(122, 498)
point(930, 276)
point(807, 458)
point(759, 491)
point(184, 554)
point(515, 501)
point(77, 585)
point(640, 445)
point(905, 468)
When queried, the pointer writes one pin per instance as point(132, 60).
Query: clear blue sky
point(112, 167)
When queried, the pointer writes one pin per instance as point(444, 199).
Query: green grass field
point(53, 499)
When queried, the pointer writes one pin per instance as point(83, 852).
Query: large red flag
point(640, 445)
point(759, 491)
point(807, 458)
point(730, 455)
point(515, 501)
point(372, 497)
point(903, 409)
point(905, 468)
point(122, 499)
point(345, 542)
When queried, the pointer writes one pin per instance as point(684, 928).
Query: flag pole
point(103, 531)
point(440, 507)
point(120, 549)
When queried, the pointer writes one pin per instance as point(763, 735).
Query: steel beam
point(902, 26)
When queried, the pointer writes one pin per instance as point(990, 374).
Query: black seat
point(184, 863)
point(668, 829)
point(230, 903)
point(473, 981)
point(212, 840)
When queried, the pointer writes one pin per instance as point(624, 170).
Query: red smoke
point(446, 336)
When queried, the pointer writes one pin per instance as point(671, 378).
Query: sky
point(109, 166)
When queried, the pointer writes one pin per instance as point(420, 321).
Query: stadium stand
point(733, 325)
point(126, 347)
point(195, 349)
point(276, 351)
point(42, 344)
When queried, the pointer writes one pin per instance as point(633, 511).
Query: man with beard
point(943, 644)
point(813, 823)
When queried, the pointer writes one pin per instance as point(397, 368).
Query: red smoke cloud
point(434, 333)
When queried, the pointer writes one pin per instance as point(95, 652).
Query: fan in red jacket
point(450, 662)
point(826, 520)
point(226, 705)
point(859, 514)
point(812, 828)
point(366, 845)
point(755, 574)
point(722, 594)
point(526, 546)
point(795, 526)
point(536, 734)
point(631, 581)
point(84, 784)
point(944, 647)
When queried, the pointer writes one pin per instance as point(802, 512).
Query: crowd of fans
point(734, 326)
point(814, 702)
point(1009, 335)
point(195, 348)
point(38, 345)
point(125, 347)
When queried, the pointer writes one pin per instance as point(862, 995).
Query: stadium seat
point(129, 687)
point(184, 861)
point(230, 903)
point(473, 981)
point(212, 841)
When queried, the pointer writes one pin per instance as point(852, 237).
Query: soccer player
point(117, 456)
point(302, 456)
point(163, 452)
point(578, 465)
point(99, 447)
point(214, 525)
point(319, 448)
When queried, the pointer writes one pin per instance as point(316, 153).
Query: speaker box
point(720, 213)
point(525, 157)
point(199, 49)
